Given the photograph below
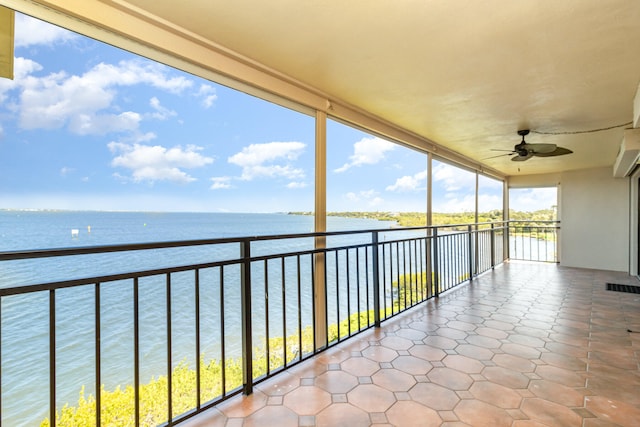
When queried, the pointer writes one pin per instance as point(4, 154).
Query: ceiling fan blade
point(522, 158)
point(499, 155)
point(541, 148)
point(559, 151)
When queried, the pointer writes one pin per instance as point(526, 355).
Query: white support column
point(476, 251)
point(505, 217)
point(429, 189)
point(429, 223)
point(477, 195)
point(634, 197)
point(320, 225)
point(7, 18)
point(636, 109)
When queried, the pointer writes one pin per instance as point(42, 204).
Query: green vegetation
point(419, 219)
point(118, 406)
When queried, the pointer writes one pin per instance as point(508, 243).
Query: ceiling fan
point(524, 151)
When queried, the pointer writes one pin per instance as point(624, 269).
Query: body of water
point(25, 321)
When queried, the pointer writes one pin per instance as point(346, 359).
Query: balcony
point(525, 344)
point(282, 330)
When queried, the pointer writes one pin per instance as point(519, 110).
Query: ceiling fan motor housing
point(521, 149)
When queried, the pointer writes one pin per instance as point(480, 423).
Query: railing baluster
point(495, 245)
point(391, 277)
point(326, 298)
point(197, 330)
point(436, 265)
point(420, 261)
point(337, 294)
point(136, 351)
point(52, 357)
point(266, 316)
point(417, 267)
point(223, 355)
point(299, 307)
point(407, 281)
point(313, 302)
point(348, 287)
point(471, 255)
point(398, 276)
point(376, 278)
point(169, 354)
point(384, 283)
point(284, 312)
point(98, 351)
point(447, 265)
point(366, 281)
point(247, 351)
point(358, 286)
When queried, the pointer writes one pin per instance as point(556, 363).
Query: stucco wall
point(594, 209)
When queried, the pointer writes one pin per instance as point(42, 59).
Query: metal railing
point(534, 240)
point(201, 332)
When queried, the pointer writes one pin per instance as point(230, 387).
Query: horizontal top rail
point(87, 250)
point(534, 221)
point(455, 229)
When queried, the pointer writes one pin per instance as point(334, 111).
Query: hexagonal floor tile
point(336, 381)
point(412, 414)
point(371, 398)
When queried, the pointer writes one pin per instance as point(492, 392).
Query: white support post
point(320, 226)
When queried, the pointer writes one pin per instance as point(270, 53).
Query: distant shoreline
point(134, 211)
point(419, 219)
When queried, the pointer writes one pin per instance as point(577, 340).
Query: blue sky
point(87, 126)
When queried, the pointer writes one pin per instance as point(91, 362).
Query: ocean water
point(25, 341)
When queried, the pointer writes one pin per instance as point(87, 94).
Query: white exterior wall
point(594, 220)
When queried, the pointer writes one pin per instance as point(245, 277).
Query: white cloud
point(296, 185)
point(30, 31)
point(157, 163)
point(221, 183)
point(376, 201)
point(21, 68)
point(161, 113)
point(208, 95)
point(532, 199)
point(272, 159)
point(367, 151)
point(83, 102)
point(455, 204)
point(454, 178)
point(368, 197)
point(66, 171)
point(136, 71)
point(144, 137)
point(489, 183)
point(87, 124)
point(409, 182)
point(487, 202)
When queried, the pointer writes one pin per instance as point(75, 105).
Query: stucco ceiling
point(466, 74)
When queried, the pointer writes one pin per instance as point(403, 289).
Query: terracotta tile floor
point(528, 344)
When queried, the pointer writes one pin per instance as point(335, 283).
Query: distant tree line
point(419, 219)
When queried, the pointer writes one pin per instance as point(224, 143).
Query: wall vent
point(623, 288)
